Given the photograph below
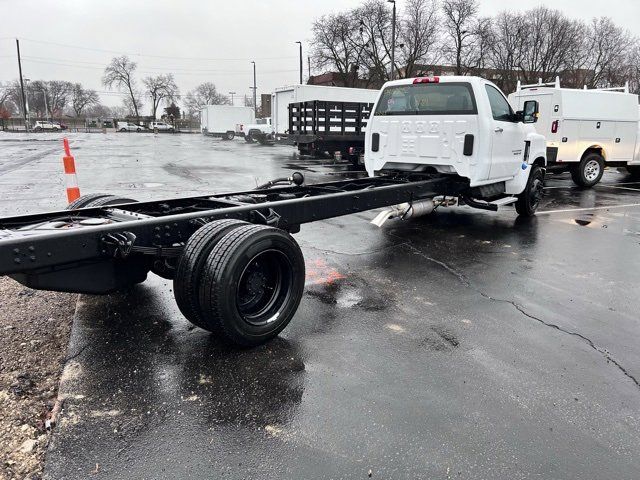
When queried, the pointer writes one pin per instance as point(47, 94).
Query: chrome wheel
point(591, 170)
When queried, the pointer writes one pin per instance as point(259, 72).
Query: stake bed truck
point(237, 270)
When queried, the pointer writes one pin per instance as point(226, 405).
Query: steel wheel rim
point(592, 170)
point(263, 287)
point(535, 194)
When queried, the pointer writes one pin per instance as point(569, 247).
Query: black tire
point(188, 274)
point(37, 129)
point(138, 129)
point(634, 170)
point(589, 170)
point(249, 138)
point(529, 199)
point(123, 129)
point(229, 135)
point(85, 200)
point(110, 200)
point(252, 286)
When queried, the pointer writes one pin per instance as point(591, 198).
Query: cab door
point(507, 136)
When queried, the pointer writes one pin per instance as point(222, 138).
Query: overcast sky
point(197, 41)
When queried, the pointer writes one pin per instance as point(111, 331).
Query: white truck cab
point(462, 126)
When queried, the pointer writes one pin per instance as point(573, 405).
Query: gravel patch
point(34, 332)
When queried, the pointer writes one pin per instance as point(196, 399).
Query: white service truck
point(225, 121)
point(585, 129)
point(464, 128)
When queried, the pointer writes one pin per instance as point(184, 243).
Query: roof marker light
point(426, 80)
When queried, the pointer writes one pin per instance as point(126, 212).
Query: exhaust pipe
point(404, 211)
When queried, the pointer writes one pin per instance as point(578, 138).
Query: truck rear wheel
point(188, 274)
point(98, 200)
point(529, 200)
point(589, 170)
point(85, 200)
point(253, 283)
point(229, 135)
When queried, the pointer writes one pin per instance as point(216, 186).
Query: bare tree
point(375, 20)
point(7, 106)
point(608, 46)
point(82, 98)
point(132, 105)
point(507, 47)
point(549, 45)
point(460, 22)
point(335, 46)
point(99, 111)
point(204, 94)
point(159, 88)
point(418, 36)
point(58, 94)
point(119, 73)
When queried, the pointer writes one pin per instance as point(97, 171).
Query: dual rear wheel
point(243, 282)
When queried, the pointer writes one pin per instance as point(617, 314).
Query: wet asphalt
point(467, 344)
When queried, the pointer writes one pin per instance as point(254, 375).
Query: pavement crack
point(77, 354)
point(465, 281)
point(350, 254)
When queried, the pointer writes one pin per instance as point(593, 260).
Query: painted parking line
point(564, 210)
point(622, 188)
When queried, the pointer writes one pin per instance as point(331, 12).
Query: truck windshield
point(427, 99)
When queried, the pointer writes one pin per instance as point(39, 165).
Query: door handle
point(499, 130)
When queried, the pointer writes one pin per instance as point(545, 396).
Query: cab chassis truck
point(237, 271)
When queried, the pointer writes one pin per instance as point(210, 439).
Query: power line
point(152, 56)
point(191, 72)
point(143, 68)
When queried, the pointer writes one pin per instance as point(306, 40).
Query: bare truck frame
point(237, 271)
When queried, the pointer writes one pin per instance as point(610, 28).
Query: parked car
point(255, 131)
point(161, 127)
point(129, 127)
point(48, 126)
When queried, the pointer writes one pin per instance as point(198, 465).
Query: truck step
point(504, 201)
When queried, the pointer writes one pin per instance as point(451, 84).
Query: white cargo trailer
point(225, 121)
point(282, 97)
point(585, 129)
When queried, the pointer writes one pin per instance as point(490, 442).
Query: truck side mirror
point(530, 112)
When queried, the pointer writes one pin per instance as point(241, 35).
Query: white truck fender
point(537, 154)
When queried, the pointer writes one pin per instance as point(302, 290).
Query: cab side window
point(500, 108)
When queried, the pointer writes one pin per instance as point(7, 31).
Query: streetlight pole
point(28, 115)
point(255, 103)
point(393, 40)
point(232, 94)
point(300, 43)
point(46, 108)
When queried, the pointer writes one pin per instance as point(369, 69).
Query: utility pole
point(309, 65)
point(300, 43)
point(46, 108)
point(255, 103)
point(24, 98)
point(393, 40)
